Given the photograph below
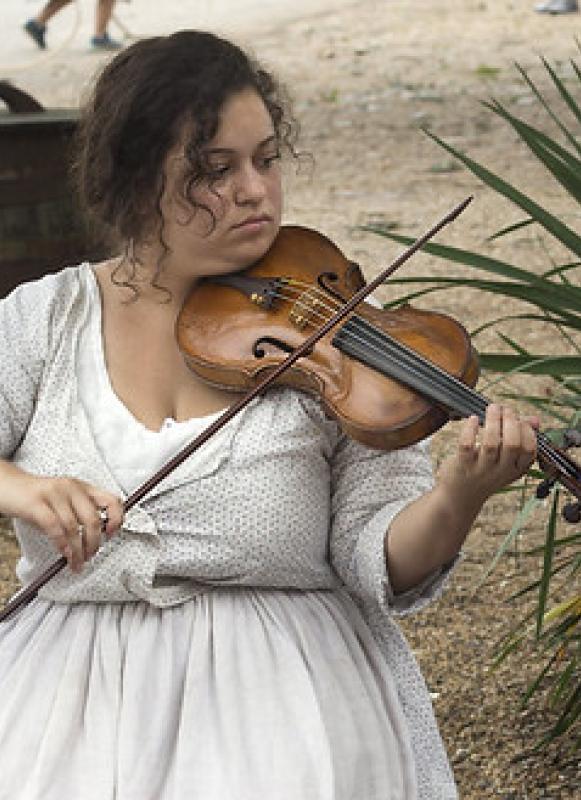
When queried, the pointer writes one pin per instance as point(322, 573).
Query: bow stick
point(29, 592)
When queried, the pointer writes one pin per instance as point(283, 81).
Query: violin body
point(234, 329)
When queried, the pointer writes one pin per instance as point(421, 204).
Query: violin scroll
point(561, 468)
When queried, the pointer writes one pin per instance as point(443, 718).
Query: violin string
point(464, 400)
point(430, 372)
point(378, 343)
point(412, 358)
point(433, 375)
point(319, 295)
point(461, 398)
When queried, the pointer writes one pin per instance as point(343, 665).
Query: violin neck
point(366, 343)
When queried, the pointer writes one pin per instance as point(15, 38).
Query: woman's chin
point(251, 248)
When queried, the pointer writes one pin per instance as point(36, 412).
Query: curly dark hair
point(138, 107)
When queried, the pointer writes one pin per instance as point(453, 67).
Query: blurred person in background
point(557, 7)
point(36, 27)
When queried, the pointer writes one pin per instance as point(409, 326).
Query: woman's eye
point(217, 171)
point(269, 159)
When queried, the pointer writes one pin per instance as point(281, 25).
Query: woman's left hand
point(491, 457)
point(430, 531)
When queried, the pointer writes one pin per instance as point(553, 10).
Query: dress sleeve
point(25, 322)
point(369, 488)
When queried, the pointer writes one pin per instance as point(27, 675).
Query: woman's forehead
point(242, 121)
point(244, 115)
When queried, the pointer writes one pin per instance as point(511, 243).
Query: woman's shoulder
point(50, 287)
point(38, 308)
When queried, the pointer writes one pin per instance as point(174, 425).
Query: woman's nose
point(250, 186)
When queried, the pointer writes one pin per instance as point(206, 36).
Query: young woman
point(233, 635)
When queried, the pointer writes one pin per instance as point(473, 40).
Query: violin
point(390, 377)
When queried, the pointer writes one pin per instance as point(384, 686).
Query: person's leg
point(49, 10)
point(36, 27)
point(101, 40)
point(103, 13)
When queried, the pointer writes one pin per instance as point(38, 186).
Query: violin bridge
point(306, 310)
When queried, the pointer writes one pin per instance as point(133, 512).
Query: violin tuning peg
point(572, 512)
point(544, 488)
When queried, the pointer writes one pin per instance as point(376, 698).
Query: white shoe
point(557, 7)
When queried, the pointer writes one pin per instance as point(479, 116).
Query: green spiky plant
point(551, 298)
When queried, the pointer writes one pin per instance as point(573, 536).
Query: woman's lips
point(253, 223)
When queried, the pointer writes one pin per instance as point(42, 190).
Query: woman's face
point(243, 193)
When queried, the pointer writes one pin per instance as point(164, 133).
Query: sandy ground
point(365, 79)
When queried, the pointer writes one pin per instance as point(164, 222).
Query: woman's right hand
point(73, 514)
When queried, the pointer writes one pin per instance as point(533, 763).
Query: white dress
point(237, 640)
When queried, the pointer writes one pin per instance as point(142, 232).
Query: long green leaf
point(564, 167)
point(565, 541)
point(547, 565)
point(530, 505)
point(545, 303)
point(548, 109)
point(516, 634)
point(569, 714)
point(544, 318)
point(510, 229)
point(539, 136)
point(561, 269)
point(563, 683)
point(534, 685)
point(576, 70)
point(567, 97)
point(537, 365)
point(535, 584)
point(552, 224)
point(516, 346)
point(457, 255)
point(565, 296)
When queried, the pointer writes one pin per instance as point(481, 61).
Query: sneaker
point(557, 7)
point(36, 32)
point(105, 42)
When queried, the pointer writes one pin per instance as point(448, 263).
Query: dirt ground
point(365, 79)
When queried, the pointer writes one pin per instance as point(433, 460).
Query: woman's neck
point(150, 282)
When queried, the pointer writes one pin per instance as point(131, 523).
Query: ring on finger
point(103, 518)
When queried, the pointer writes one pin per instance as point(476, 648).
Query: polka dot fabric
point(285, 504)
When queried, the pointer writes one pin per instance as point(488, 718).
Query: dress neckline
point(169, 423)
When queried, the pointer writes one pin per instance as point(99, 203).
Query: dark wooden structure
point(40, 229)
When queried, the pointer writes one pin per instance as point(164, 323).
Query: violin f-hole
point(258, 352)
point(325, 279)
point(257, 348)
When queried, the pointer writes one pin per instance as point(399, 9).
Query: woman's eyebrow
point(226, 150)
